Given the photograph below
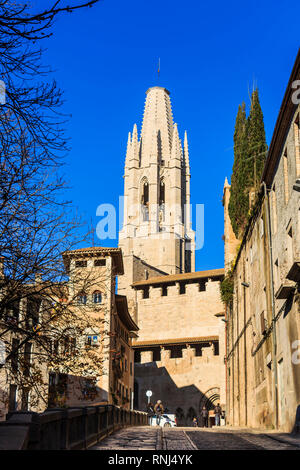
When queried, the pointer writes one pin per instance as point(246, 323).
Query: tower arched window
point(145, 201)
point(97, 297)
point(162, 193)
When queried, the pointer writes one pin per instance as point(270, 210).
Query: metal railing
point(69, 428)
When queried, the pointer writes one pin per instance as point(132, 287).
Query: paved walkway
point(154, 438)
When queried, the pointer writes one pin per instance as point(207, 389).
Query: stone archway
point(210, 399)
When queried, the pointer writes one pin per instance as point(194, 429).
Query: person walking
point(158, 410)
point(218, 412)
point(150, 412)
point(195, 422)
point(150, 409)
point(204, 415)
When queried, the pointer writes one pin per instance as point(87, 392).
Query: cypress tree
point(238, 199)
point(250, 151)
point(257, 146)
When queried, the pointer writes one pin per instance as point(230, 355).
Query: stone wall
point(179, 315)
point(183, 384)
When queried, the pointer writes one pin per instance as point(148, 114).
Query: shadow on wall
point(186, 402)
point(70, 390)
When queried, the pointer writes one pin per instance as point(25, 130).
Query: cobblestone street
point(150, 438)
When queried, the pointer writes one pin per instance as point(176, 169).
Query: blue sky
point(105, 58)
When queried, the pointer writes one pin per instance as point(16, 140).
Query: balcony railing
point(65, 429)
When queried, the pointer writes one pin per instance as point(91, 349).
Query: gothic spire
point(128, 151)
point(157, 118)
point(176, 151)
point(186, 152)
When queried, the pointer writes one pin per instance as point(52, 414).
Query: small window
point(216, 348)
point(145, 202)
point(25, 399)
point(92, 340)
point(97, 297)
point(164, 291)
point(100, 262)
point(80, 264)
point(27, 359)
point(202, 286)
point(181, 288)
point(146, 293)
point(161, 193)
point(82, 299)
point(14, 355)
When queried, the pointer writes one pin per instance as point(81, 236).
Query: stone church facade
point(179, 354)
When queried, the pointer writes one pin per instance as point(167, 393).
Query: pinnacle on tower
point(134, 134)
point(135, 143)
point(176, 152)
point(186, 152)
point(128, 150)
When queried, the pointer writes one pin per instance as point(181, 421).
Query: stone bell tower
point(157, 237)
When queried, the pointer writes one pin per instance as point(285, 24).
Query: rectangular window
point(176, 352)
point(164, 292)
point(80, 264)
point(137, 356)
point(146, 293)
point(25, 399)
point(202, 286)
point(14, 357)
point(297, 145)
point(27, 359)
point(100, 262)
point(286, 177)
point(216, 348)
point(181, 288)
point(156, 354)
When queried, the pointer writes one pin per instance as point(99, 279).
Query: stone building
point(263, 327)
point(78, 348)
point(106, 328)
point(18, 390)
point(179, 354)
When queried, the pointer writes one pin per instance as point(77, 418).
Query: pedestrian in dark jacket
point(158, 410)
point(204, 416)
point(218, 412)
point(195, 422)
point(150, 409)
